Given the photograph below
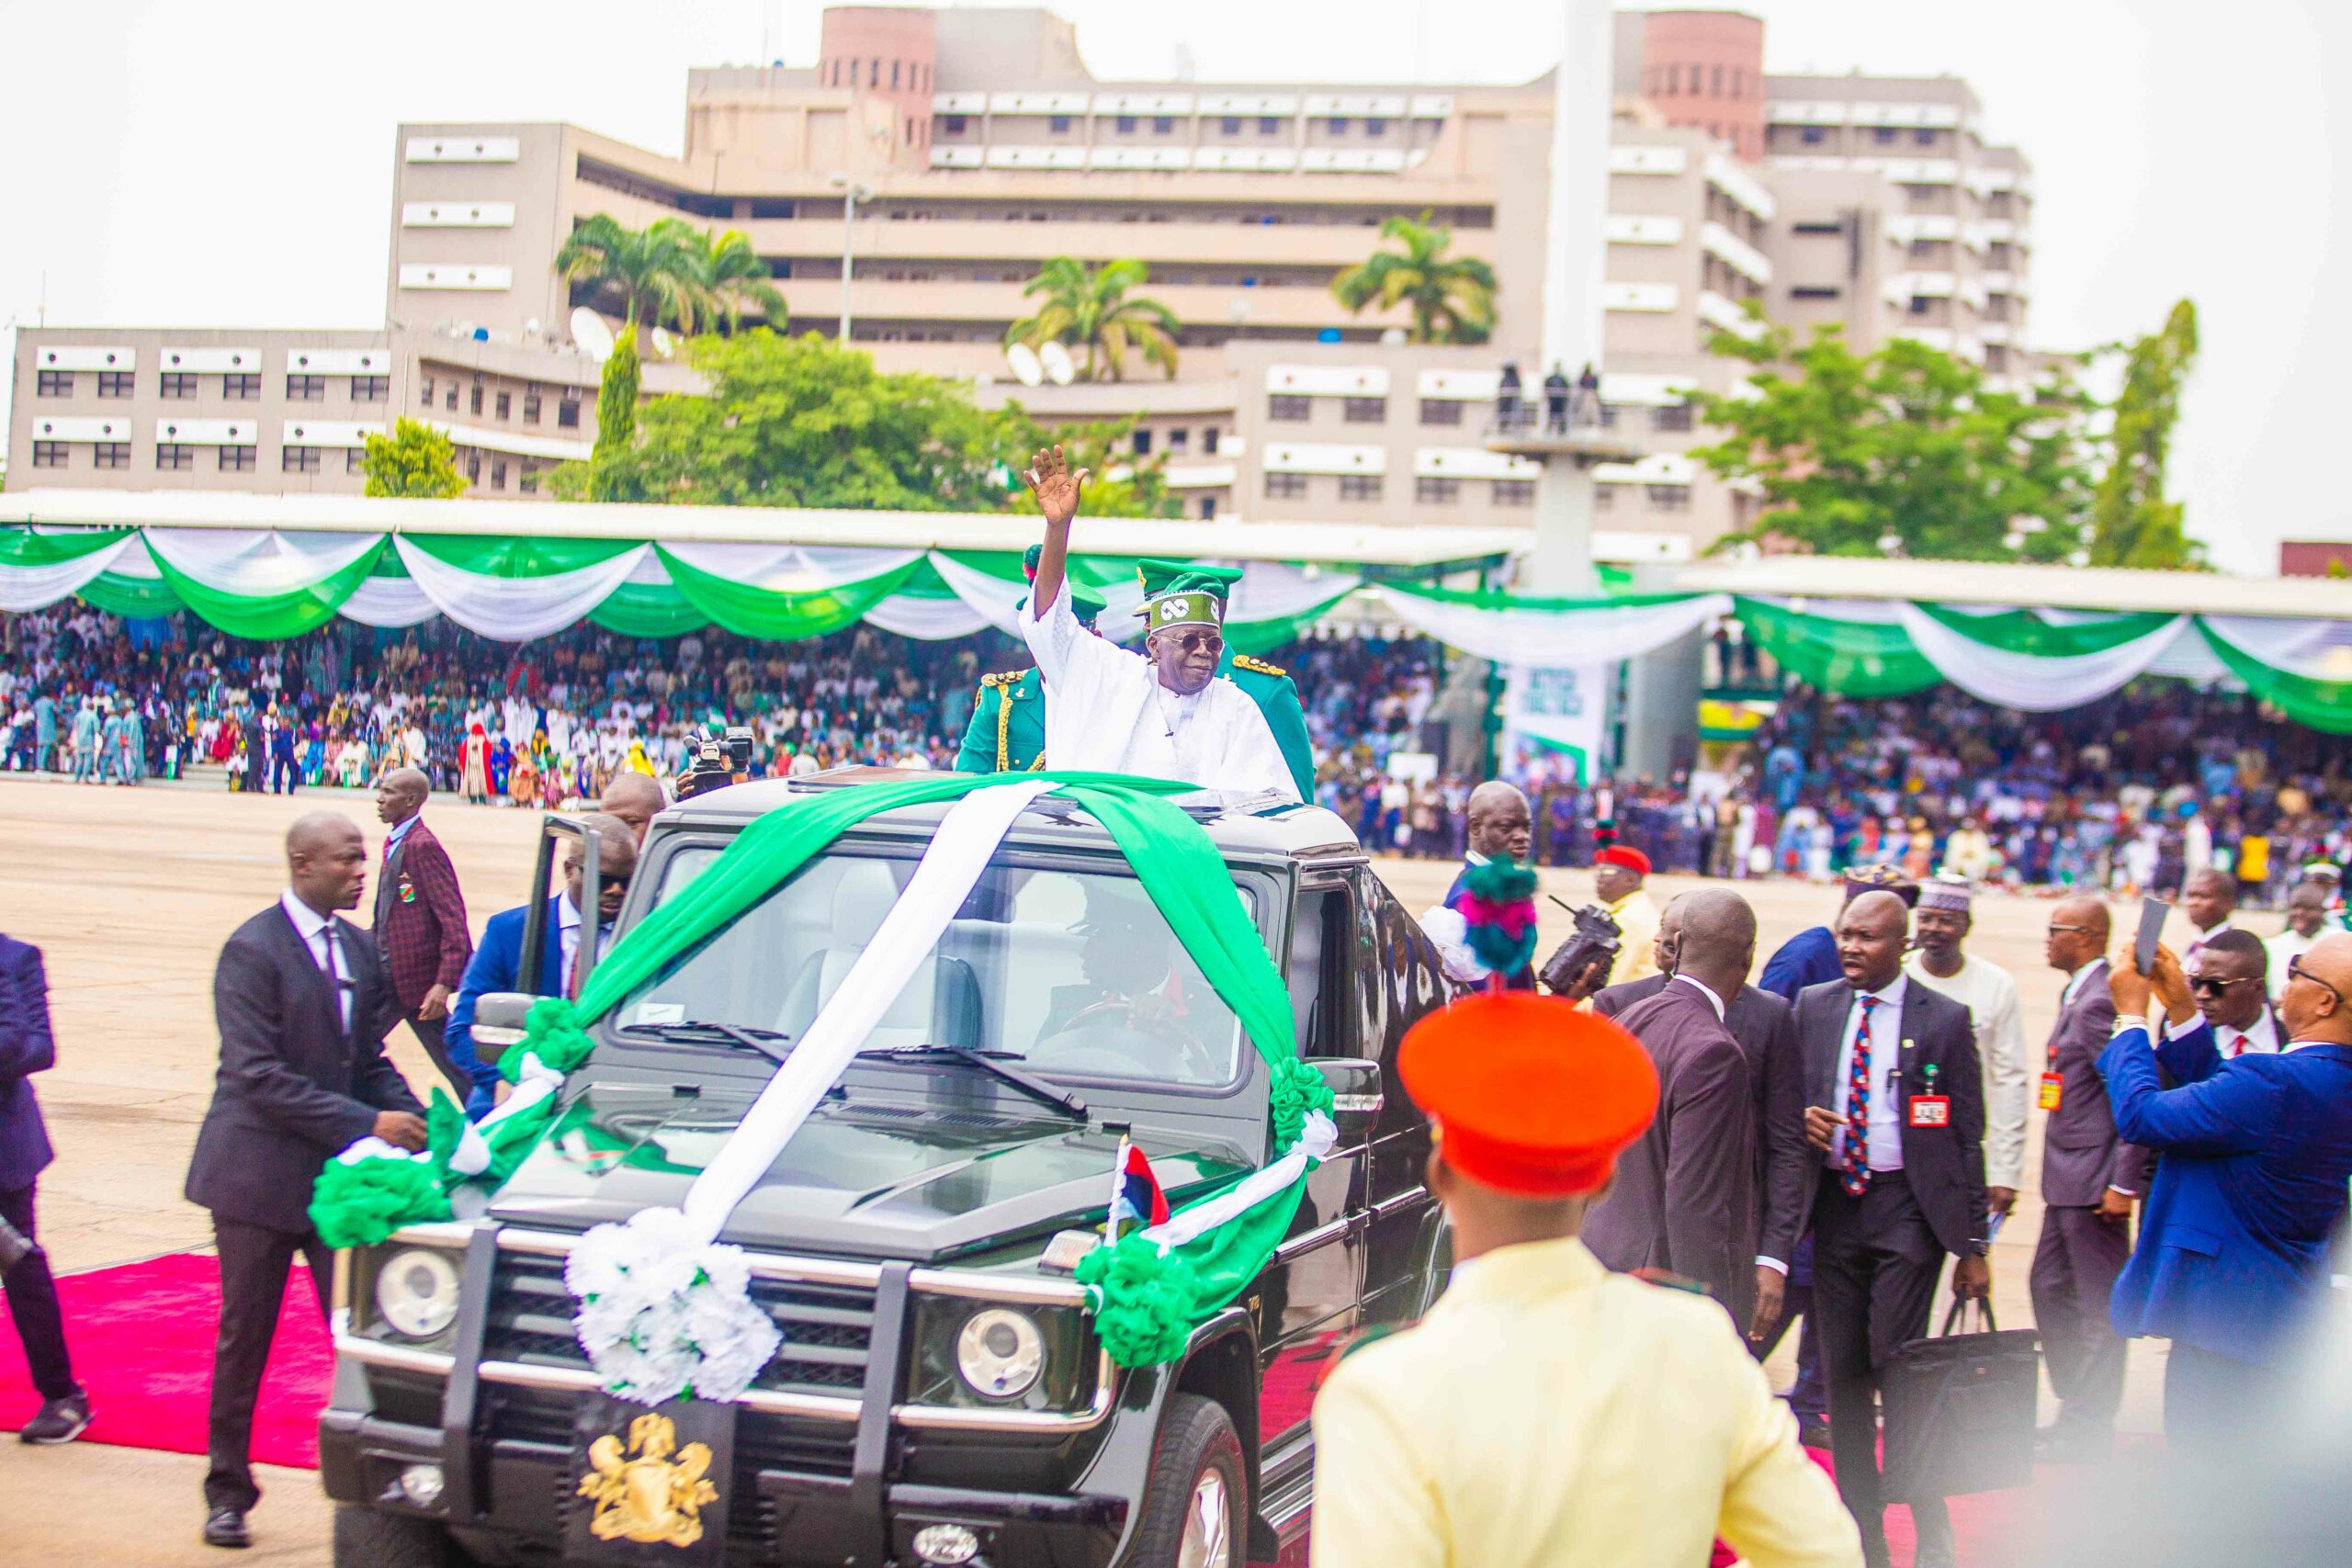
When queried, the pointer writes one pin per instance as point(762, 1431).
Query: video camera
point(714, 761)
point(1571, 971)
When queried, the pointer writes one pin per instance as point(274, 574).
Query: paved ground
point(131, 893)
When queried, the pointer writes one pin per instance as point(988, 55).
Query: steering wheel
point(1163, 1030)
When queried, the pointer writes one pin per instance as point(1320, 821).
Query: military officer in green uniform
point(1008, 730)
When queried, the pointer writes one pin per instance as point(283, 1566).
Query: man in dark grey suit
point(2089, 1180)
point(302, 1002)
point(1783, 1178)
point(1684, 1199)
point(1896, 1115)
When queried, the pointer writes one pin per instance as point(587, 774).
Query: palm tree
point(653, 271)
point(731, 276)
point(1453, 298)
point(1091, 309)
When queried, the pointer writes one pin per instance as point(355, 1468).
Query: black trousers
point(32, 1303)
point(2075, 1266)
point(1875, 1264)
point(254, 1260)
point(429, 1032)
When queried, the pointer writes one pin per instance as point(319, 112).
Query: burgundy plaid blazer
point(420, 929)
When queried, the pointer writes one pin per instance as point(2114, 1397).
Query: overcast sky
point(163, 162)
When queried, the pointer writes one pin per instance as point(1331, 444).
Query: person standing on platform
point(1942, 922)
point(2254, 1153)
point(2090, 1179)
point(1895, 1111)
point(420, 928)
point(1547, 1411)
point(1684, 1199)
point(27, 1048)
point(1618, 873)
point(302, 1003)
point(1500, 828)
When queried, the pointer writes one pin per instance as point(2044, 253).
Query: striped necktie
point(1858, 1108)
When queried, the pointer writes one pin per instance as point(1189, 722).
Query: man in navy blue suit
point(497, 961)
point(26, 1048)
point(2257, 1148)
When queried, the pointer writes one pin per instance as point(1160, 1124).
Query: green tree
point(1907, 446)
point(1122, 484)
point(1452, 297)
point(414, 460)
point(1090, 309)
point(2131, 522)
point(617, 393)
point(732, 279)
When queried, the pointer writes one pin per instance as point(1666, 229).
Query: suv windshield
point(1073, 972)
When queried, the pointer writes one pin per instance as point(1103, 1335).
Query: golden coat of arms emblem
point(651, 1490)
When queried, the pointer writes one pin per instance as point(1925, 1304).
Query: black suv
point(939, 1397)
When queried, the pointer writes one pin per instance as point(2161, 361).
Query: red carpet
point(141, 1339)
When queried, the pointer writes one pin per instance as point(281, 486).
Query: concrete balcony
point(1243, 246)
point(1298, 306)
point(1529, 429)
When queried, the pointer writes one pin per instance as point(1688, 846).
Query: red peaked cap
point(1624, 855)
point(1531, 1096)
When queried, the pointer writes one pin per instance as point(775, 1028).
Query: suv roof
point(1253, 825)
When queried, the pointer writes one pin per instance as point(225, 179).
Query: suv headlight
point(416, 1291)
point(999, 1353)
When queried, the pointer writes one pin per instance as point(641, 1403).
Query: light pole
point(852, 194)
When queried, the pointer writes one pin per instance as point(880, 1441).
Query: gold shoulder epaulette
point(1257, 666)
point(1003, 678)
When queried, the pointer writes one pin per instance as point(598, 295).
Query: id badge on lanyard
point(1930, 1110)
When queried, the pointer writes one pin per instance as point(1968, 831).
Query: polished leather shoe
point(226, 1527)
point(1813, 1434)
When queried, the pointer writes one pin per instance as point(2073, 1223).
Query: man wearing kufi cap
point(1547, 1411)
point(1618, 871)
point(1161, 714)
point(1940, 924)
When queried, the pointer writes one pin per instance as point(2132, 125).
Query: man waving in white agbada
point(1163, 713)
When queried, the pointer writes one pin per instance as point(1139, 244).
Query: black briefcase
point(1960, 1411)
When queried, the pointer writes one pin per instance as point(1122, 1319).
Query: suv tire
point(365, 1539)
point(1196, 1504)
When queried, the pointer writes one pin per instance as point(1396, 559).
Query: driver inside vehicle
point(1138, 994)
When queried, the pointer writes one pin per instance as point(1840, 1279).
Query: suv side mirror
point(1356, 1096)
point(499, 1022)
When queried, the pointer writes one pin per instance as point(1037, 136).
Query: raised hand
point(1056, 489)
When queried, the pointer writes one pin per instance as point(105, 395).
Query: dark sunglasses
point(2207, 983)
point(2295, 971)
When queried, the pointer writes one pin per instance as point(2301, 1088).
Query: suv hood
point(914, 1181)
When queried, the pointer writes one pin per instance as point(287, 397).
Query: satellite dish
point(663, 344)
point(589, 331)
point(531, 327)
point(1056, 359)
point(1393, 338)
point(1027, 369)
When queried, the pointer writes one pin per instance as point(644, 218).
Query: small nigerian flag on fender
point(1134, 1191)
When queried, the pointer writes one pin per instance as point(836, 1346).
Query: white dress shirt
point(1701, 987)
point(567, 920)
point(1885, 1151)
point(2078, 980)
point(2262, 1038)
point(313, 929)
point(1991, 998)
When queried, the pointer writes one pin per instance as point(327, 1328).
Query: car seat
point(941, 1002)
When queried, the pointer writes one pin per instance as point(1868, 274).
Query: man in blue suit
point(2256, 1149)
point(498, 960)
point(26, 1048)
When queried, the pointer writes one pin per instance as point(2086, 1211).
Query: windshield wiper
point(991, 1062)
point(740, 1036)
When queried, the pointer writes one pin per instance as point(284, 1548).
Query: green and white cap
point(1180, 593)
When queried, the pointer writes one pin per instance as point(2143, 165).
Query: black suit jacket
point(1766, 1028)
point(1944, 1166)
point(1684, 1199)
point(2081, 1154)
point(293, 1090)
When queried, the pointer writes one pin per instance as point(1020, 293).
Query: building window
point(1141, 441)
point(1813, 291)
point(1514, 492)
point(371, 389)
point(355, 460)
point(498, 474)
point(300, 460)
point(1230, 125)
point(425, 399)
point(531, 406)
point(1163, 125)
point(1269, 125)
point(110, 455)
point(175, 457)
point(1669, 498)
point(1923, 137)
point(1604, 497)
point(1359, 487)
point(1287, 407)
point(529, 483)
point(49, 455)
point(1428, 488)
point(116, 383)
point(504, 405)
point(449, 398)
point(1440, 411)
point(1127, 124)
point(241, 389)
point(1059, 124)
point(178, 384)
point(1673, 79)
point(1209, 439)
point(1178, 439)
point(954, 125)
point(1279, 487)
point(1921, 304)
point(473, 467)
point(1883, 135)
point(566, 414)
point(1208, 507)
point(1811, 135)
point(1337, 127)
point(1375, 127)
point(306, 388)
point(1674, 416)
point(237, 459)
point(473, 403)
point(53, 384)
point(1364, 411)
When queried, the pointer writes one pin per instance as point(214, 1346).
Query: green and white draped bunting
point(38, 569)
point(662, 1306)
point(1553, 634)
